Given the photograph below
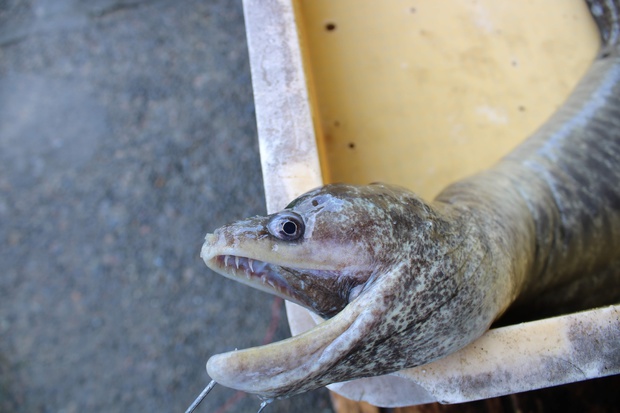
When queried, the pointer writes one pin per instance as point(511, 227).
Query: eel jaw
point(322, 291)
point(254, 273)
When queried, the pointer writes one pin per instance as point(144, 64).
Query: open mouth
point(252, 268)
point(320, 291)
point(257, 274)
point(323, 291)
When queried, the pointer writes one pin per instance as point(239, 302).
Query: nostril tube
point(208, 250)
point(210, 239)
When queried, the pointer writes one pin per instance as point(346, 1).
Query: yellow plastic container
point(420, 94)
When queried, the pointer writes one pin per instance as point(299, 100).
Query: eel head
point(320, 252)
point(364, 258)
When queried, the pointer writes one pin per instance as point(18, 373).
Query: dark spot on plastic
point(521, 108)
point(336, 123)
point(412, 10)
point(351, 145)
point(330, 27)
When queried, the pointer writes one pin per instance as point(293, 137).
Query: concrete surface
point(126, 133)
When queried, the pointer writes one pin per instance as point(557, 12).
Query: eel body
point(401, 282)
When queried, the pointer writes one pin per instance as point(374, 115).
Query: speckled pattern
point(442, 272)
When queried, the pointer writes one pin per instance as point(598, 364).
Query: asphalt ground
point(127, 132)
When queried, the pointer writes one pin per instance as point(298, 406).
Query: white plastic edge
point(289, 157)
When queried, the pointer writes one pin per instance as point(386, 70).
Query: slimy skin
point(402, 282)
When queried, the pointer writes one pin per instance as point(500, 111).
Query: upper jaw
point(230, 263)
point(320, 291)
point(254, 273)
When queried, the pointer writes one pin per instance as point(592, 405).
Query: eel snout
point(303, 270)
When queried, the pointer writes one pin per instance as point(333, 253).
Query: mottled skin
point(403, 282)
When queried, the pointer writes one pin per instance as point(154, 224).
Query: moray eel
point(401, 282)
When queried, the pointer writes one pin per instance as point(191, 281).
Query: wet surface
point(126, 133)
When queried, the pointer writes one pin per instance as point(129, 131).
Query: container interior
point(422, 93)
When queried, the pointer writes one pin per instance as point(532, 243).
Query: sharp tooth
point(226, 260)
point(237, 262)
point(250, 264)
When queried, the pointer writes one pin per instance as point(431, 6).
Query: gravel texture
point(126, 133)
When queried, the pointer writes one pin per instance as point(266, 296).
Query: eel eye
point(287, 226)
